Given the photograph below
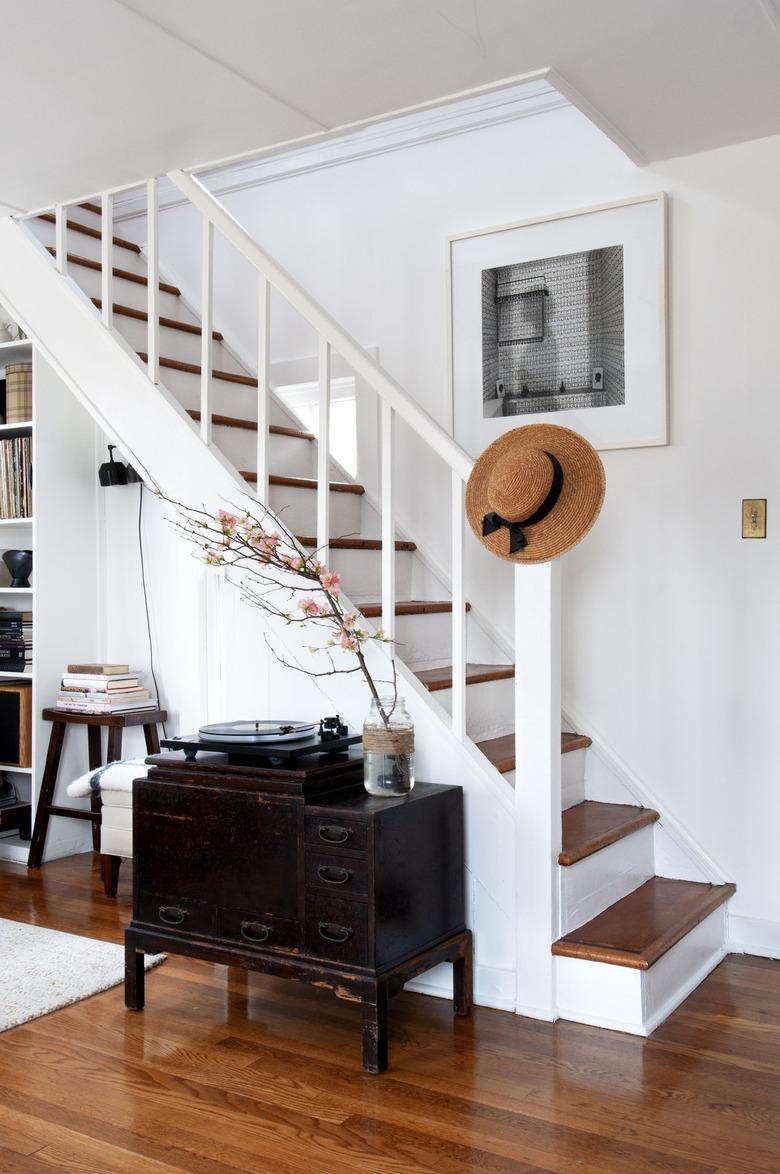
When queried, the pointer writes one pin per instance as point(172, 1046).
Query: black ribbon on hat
point(517, 539)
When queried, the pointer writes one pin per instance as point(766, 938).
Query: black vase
point(19, 563)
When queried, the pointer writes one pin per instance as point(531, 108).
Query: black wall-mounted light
point(113, 472)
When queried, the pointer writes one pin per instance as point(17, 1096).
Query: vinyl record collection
point(102, 688)
point(16, 477)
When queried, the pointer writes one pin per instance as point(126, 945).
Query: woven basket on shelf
point(18, 393)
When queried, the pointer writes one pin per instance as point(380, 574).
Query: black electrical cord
point(146, 597)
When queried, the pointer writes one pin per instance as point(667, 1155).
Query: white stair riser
point(593, 884)
point(289, 456)
point(573, 778)
point(489, 708)
point(424, 640)
point(89, 246)
point(175, 344)
point(228, 399)
point(84, 216)
point(637, 1001)
point(130, 293)
point(297, 508)
point(361, 572)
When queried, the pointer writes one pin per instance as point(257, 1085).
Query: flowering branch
point(301, 591)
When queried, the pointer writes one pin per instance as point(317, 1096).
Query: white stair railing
point(394, 400)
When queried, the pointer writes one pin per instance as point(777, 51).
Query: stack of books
point(16, 477)
point(15, 641)
point(102, 688)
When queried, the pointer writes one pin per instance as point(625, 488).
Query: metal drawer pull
point(253, 931)
point(334, 933)
point(333, 834)
point(171, 914)
point(333, 875)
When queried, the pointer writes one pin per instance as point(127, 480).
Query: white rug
point(42, 969)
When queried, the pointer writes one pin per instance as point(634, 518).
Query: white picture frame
point(630, 236)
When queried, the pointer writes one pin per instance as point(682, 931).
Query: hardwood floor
point(224, 1072)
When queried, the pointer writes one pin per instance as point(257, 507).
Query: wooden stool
point(115, 723)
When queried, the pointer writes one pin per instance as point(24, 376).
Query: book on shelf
point(97, 670)
point(16, 634)
point(16, 477)
point(117, 707)
point(104, 684)
point(103, 698)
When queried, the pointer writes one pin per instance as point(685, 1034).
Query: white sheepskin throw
point(116, 776)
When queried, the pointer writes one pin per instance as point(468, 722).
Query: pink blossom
point(348, 641)
point(228, 522)
point(330, 581)
point(294, 562)
point(349, 620)
point(214, 556)
point(310, 607)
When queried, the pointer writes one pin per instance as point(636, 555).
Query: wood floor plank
point(226, 1072)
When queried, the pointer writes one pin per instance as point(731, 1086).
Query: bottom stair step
point(639, 929)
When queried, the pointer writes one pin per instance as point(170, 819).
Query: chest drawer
point(336, 832)
point(172, 913)
point(337, 929)
point(248, 927)
point(347, 875)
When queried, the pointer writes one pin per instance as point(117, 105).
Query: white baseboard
point(493, 987)
point(753, 935)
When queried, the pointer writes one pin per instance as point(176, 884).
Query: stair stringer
point(153, 431)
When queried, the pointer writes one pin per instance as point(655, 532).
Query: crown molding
point(530, 98)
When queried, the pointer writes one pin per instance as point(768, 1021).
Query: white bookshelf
point(62, 595)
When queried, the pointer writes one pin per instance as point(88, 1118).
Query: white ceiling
point(104, 92)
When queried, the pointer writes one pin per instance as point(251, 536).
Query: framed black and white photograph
point(562, 319)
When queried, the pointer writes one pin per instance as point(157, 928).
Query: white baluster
point(458, 613)
point(323, 453)
point(61, 237)
point(387, 439)
point(206, 307)
point(263, 384)
point(153, 281)
point(107, 258)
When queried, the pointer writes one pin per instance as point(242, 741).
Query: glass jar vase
point(388, 748)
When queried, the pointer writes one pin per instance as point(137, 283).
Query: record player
point(272, 743)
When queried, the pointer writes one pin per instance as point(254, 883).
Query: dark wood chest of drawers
point(309, 878)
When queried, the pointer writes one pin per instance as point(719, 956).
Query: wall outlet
point(754, 517)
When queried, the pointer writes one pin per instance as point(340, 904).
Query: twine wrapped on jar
point(389, 741)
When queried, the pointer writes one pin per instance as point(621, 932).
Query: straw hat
point(535, 492)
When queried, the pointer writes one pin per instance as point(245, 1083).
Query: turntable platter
point(257, 732)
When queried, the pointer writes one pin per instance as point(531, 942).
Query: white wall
point(671, 625)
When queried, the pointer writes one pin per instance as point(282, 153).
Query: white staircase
point(208, 431)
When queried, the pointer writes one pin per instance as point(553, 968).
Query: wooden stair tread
point(306, 483)
point(124, 274)
point(356, 543)
point(410, 607)
point(171, 323)
point(194, 369)
point(501, 751)
point(476, 674)
point(639, 929)
point(588, 827)
point(251, 425)
point(74, 226)
point(90, 207)
point(570, 741)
